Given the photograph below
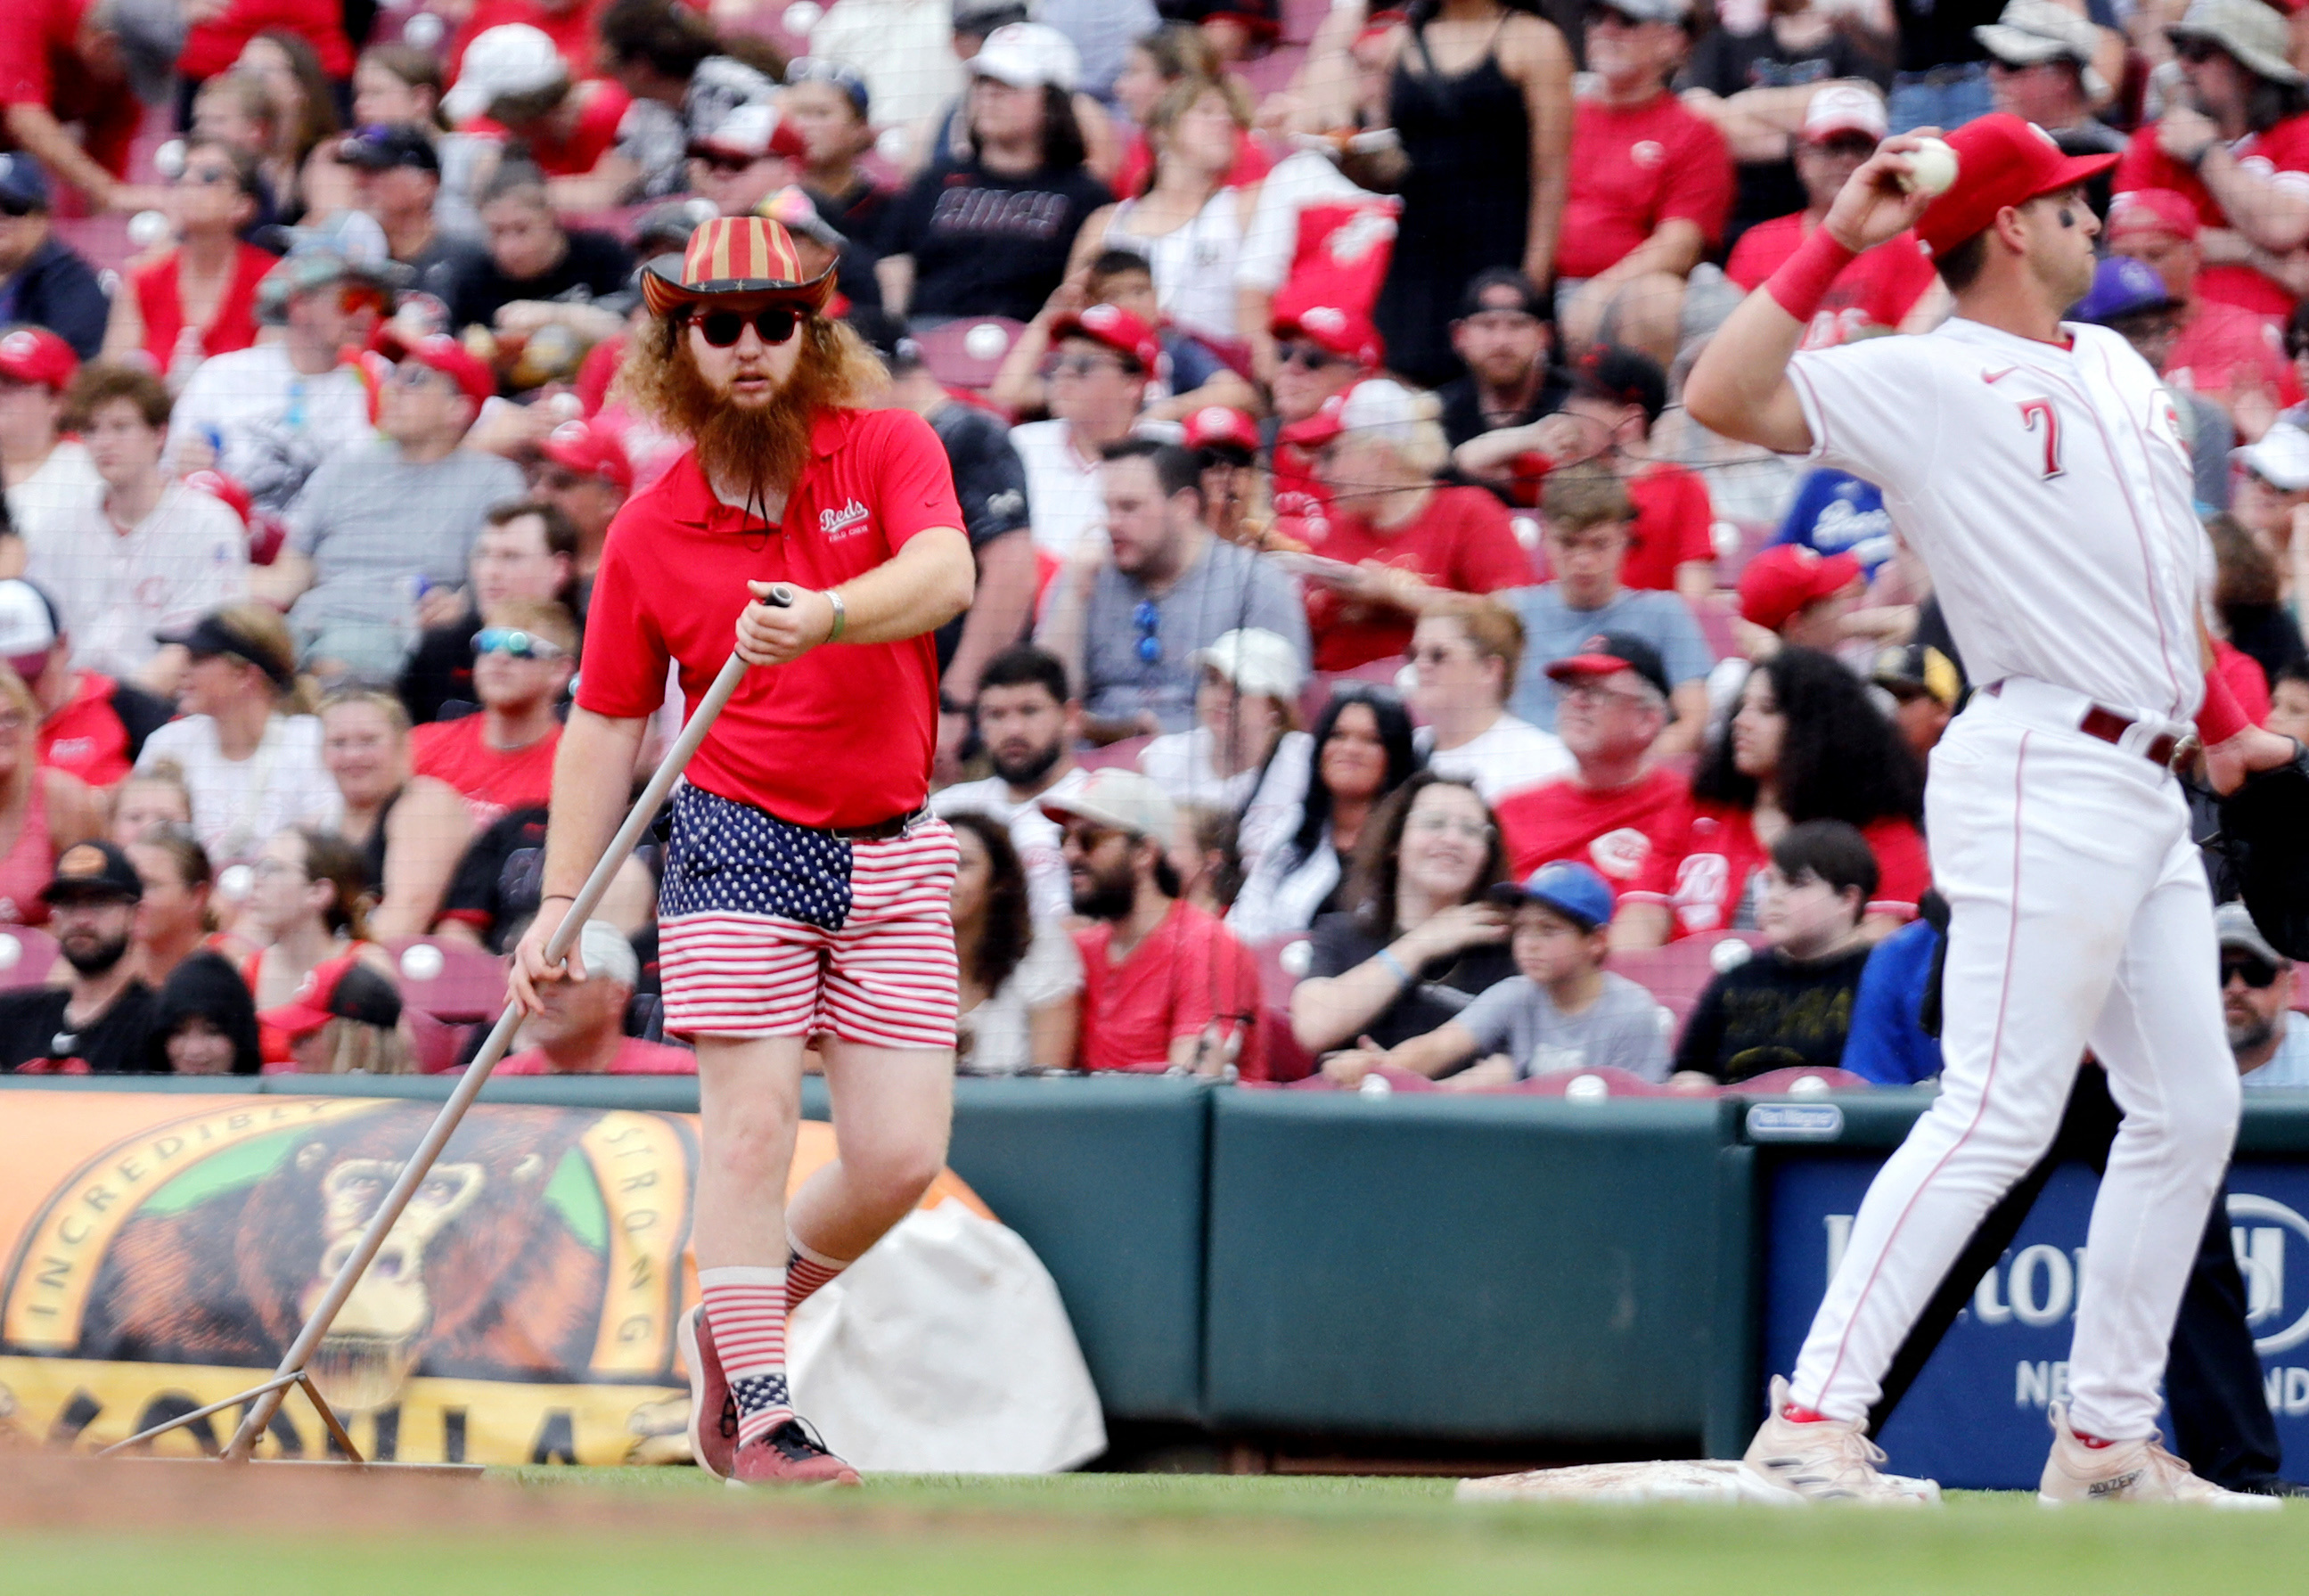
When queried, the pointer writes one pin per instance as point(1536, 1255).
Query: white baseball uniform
point(2047, 489)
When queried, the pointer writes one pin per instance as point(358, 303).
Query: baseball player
point(2039, 470)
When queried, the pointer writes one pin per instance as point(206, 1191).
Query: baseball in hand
point(1931, 168)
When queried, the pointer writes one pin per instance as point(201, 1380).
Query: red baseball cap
point(1783, 579)
point(342, 989)
point(1346, 333)
point(439, 352)
point(36, 355)
point(1114, 327)
point(2151, 211)
point(1218, 426)
point(590, 452)
point(2000, 160)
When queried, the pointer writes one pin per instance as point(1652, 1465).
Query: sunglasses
point(1085, 836)
point(520, 645)
point(1082, 365)
point(206, 176)
point(2257, 973)
point(2196, 51)
point(1146, 618)
point(772, 324)
point(1306, 356)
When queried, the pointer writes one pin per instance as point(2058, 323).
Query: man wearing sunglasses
point(2269, 1036)
point(501, 757)
point(2235, 145)
point(1320, 352)
point(806, 896)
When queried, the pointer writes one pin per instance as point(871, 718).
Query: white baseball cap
point(2030, 31)
point(27, 622)
point(1257, 661)
point(513, 59)
point(1843, 107)
point(2281, 458)
point(1123, 799)
point(1384, 408)
point(1027, 56)
point(604, 950)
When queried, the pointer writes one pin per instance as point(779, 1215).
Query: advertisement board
point(1976, 1416)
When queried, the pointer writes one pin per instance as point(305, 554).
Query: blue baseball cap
point(1573, 890)
point(2124, 287)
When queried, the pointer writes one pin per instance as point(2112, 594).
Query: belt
point(2112, 728)
point(881, 831)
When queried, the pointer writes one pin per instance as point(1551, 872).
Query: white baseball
point(986, 342)
point(1586, 1088)
point(1931, 168)
point(147, 228)
point(1807, 1086)
point(1376, 1086)
point(11, 952)
point(420, 961)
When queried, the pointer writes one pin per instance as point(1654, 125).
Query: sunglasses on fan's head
point(520, 644)
point(772, 323)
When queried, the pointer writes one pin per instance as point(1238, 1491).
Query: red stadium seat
point(1715, 618)
point(1121, 756)
point(1781, 1082)
point(469, 986)
point(1674, 974)
point(437, 1042)
point(1752, 536)
point(25, 956)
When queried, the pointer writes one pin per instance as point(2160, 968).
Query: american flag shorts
point(767, 928)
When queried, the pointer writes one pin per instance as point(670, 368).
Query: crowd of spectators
point(1368, 652)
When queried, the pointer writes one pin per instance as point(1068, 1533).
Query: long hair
point(1393, 735)
point(317, 118)
point(759, 447)
point(1009, 926)
point(355, 1048)
point(1840, 759)
point(1378, 862)
point(330, 857)
point(191, 860)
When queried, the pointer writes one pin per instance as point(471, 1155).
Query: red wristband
point(2221, 716)
point(1802, 281)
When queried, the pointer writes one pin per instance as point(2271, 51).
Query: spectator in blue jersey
point(1894, 1036)
point(1836, 513)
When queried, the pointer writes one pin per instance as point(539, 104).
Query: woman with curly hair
point(1021, 984)
point(1805, 744)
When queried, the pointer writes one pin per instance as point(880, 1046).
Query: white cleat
point(1826, 1461)
point(2128, 1472)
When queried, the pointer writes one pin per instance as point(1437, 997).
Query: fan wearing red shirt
point(501, 757)
point(1843, 125)
point(1321, 352)
point(1805, 744)
point(806, 886)
point(1617, 811)
point(1650, 186)
point(60, 65)
point(582, 1030)
point(2246, 173)
point(1165, 984)
point(213, 44)
point(1617, 396)
point(2222, 350)
point(1397, 536)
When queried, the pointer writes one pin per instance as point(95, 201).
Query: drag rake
point(264, 1400)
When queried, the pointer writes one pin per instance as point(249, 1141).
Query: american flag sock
point(806, 1272)
point(746, 1309)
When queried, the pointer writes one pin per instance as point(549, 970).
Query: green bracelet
point(841, 615)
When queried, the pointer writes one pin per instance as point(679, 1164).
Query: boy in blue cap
point(1563, 1011)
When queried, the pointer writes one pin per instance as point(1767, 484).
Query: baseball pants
point(2221, 1423)
point(2080, 919)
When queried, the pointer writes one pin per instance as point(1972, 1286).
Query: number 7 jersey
point(2046, 489)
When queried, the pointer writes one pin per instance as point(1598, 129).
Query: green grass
point(1141, 1535)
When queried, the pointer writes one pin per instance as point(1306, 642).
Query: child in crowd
point(1564, 1011)
point(1794, 1005)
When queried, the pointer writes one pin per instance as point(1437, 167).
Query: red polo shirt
point(1460, 540)
point(1185, 973)
point(841, 736)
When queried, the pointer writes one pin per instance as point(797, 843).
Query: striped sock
point(746, 1309)
point(806, 1272)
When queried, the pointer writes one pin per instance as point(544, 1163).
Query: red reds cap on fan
point(1318, 428)
point(1608, 654)
point(1114, 327)
point(36, 355)
point(1346, 333)
point(2001, 161)
point(341, 989)
point(437, 351)
point(735, 258)
point(590, 452)
point(1782, 580)
point(1218, 427)
point(2151, 211)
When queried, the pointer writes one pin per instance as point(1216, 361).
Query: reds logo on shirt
point(1619, 854)
point(1699, 883)
point(846, 522)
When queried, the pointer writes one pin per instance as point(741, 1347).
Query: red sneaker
point(713, 1440)
point(790, 1456)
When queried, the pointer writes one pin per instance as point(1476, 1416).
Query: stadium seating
point(467, 985)
point(1676, 973)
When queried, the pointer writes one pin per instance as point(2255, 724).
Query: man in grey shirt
point(379, 526)
point(1129, 612)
